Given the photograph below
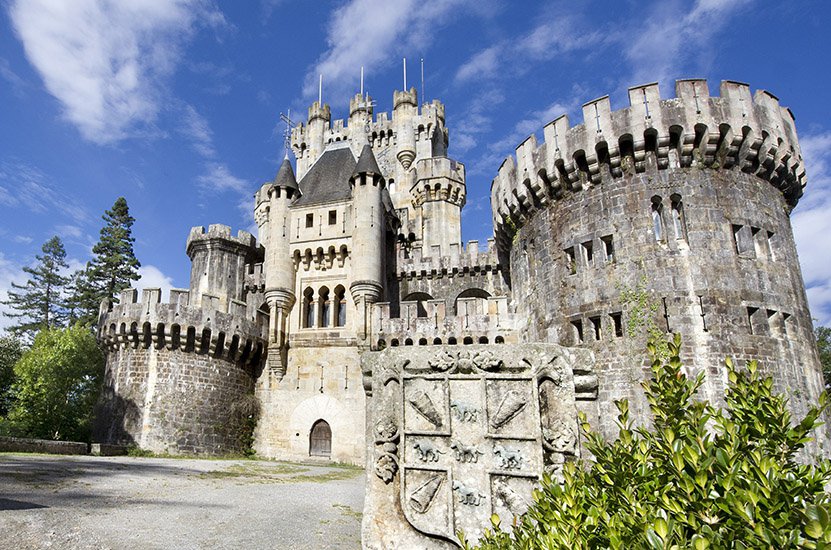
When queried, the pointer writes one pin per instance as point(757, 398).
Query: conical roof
point(366, 163)
point(285, 176)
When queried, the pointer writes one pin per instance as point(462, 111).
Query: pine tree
point(40, 303)
point(113, 267)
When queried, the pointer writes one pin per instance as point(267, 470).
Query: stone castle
point(670, 215)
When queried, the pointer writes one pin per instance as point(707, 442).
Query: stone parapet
point(218, 235)
point(415, 262)
point(735, 130)
point(224, 333)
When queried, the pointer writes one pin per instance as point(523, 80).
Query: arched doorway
point(320, 440)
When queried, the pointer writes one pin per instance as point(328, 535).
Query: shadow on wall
point(116, 419)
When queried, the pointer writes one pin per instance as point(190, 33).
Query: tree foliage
point(823, 336)
point(702, 477)
point(11, 349)
point(40, 303)
point(113, 267)
point(56, 385)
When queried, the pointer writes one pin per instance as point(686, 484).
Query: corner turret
point(219, 260)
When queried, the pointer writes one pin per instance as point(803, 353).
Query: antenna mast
point(362, 81)
point(423, 97)
point(320, 91)
point(290, 124)
point(405, 74)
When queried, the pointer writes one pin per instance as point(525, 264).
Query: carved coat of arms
point(469, 430)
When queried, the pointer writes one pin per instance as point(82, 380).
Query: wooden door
point(320, 440)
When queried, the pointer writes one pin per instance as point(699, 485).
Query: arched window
point(340, 306)
point(420, 298)
point(325, 307)
point(658, 218)
point(308, 308)
point(677, 212)
point(320, 439)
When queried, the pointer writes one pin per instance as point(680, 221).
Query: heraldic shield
point(469, 431)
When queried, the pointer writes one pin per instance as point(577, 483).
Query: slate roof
point(367, 163)
point(328, 179)
point(285, 176)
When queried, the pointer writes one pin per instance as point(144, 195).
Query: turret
point(314, 134)
point(360, 116)
point(368, 237)
point(218, 263)
point(440, 193)
point(272, 215)
point(405, 110)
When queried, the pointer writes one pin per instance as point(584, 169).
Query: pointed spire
point(366, 163)
point(285, 176)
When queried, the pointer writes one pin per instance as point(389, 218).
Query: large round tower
point(671, 215)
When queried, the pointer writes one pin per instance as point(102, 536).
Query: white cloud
point(152, 277)
point(26, 186)
point(373, 34)
point(106, 60)
point(218, 179)
point(812, 225)
point(196, 128)
point(533, 123)
point(23, 239)
point(675, 37)
point(482, 65)
point(72, 231)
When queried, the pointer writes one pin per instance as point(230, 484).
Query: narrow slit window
point(770, 243)
point(757, 237)
point(658, 218)
point(617, 323)
point(751, 313)
point(678, 222)
point(577, 326)
point(595, 321)
point(608, 248)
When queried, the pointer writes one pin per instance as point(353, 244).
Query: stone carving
point(513, 501)
point(465, 453)
point(480, 426)
point(464, 412)
point(508, 459)
point(468, 496)
point(427, 452)
point(509, 407)
point(422, 497)
point(424, 406)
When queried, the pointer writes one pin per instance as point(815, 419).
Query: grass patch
point(348, 511)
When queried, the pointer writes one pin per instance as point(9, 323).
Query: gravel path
point(123, 503)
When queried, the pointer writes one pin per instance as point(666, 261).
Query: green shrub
point(702, 477)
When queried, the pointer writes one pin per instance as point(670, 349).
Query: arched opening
point(308, 313)
point(419, 298)
point(451, 341)
point(422, 341)
point(320, 439)
point(473, 301)
point(436, 341)
point(340, 306)
point(483, 339)
point(499, 340)
point(468, 340)
point(325, 307)
point(658, 218)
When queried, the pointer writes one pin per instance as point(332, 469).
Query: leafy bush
point(701, 478)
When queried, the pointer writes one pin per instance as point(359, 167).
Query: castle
point(670, 215)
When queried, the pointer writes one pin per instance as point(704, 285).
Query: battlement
point(414, 263)
point(734, 130)
point(221, 233)
point(404, 97)
point(317, 111)
point(469, 321)
point(223, 332)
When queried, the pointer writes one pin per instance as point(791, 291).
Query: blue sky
point(175, 104)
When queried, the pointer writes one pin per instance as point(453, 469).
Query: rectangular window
point(577, 326)
point(571, 261)
point(771, 242)
point(595, 321)
point(588, 252)
point(608, 248)
point(333, 217)
point(751, 320)
point(743, 240)
point(310, 220)
point(617, 323)
point(757, 237)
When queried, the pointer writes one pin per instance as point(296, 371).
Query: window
point(751, 320)
point(678, 223)
point(325, 307)
point(420, 298)
point(608, 248)
point(588, 252)
point(658, 218)
point(308, 308)
point(340, 306)
point(577, 326)
point(742, 239)
point(310, 220)
point(617, 323)
point(595, 321)
point(571, 263)
point(771, 244)
point(333, 217)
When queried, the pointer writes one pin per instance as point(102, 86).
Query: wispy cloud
point(106, 61)
point(197, 129)
point(811, 224)
point(218, 178)
point(25, 186)
point(6, 73)
point(374, 34)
